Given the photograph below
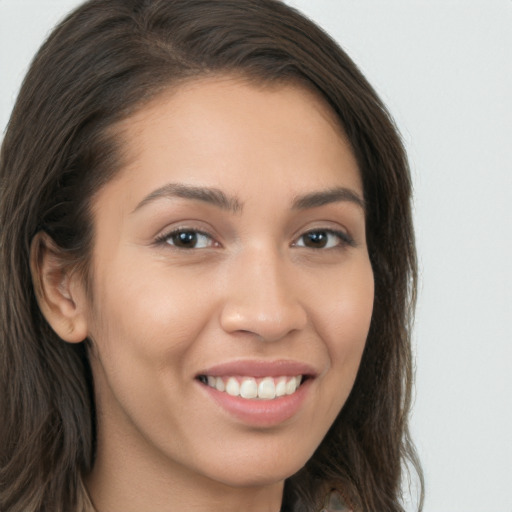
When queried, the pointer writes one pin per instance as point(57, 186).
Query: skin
point(251, 289)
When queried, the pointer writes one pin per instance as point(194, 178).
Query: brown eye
point(323, 239)
point(316, 239)
point(184, 239)
point(187, 239)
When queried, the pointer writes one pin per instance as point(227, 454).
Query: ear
point(59, 289)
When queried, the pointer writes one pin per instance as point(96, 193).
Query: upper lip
point(260, 368)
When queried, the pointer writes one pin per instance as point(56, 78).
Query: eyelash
point(344, 239)
point(164, 239)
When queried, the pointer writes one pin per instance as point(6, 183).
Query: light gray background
point(444, 69)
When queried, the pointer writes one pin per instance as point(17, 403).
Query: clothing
point(335, 503)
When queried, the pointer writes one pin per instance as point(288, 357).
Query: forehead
point(218, 131)
point(213, 91)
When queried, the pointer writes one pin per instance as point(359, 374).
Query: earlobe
point(59, 290)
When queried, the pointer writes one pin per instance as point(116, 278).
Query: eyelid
point(344, 237)
point(163, 239)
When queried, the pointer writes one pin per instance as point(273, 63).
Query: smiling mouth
point(251, 388)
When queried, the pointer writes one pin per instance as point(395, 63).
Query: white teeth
point(291, 386)
point(267, 388)
point(281, 387)
point(232, 387)
point(249, 388)
point(219, 384)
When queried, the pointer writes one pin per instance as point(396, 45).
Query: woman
point(208, 268)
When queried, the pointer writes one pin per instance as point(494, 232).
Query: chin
point(254, 479)
point(258, 471)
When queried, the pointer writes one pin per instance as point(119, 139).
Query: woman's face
point(230, 259)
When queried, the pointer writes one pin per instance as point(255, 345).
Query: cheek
point(144, 317)
point(343, 322)
point(344, 308)
point(144, 329)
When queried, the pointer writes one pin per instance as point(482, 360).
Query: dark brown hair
point(107, 59)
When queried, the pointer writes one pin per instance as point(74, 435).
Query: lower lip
point(260, 413)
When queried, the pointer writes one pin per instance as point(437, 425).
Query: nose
point(262, 299)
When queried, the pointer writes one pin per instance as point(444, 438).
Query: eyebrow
point(218, 198)
point(209, 195)
point(333, 195)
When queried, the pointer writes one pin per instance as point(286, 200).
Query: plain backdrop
point(444, 69)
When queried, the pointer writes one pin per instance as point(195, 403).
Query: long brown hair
point(99, 65)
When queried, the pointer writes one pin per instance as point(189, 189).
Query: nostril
point(251, 321)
